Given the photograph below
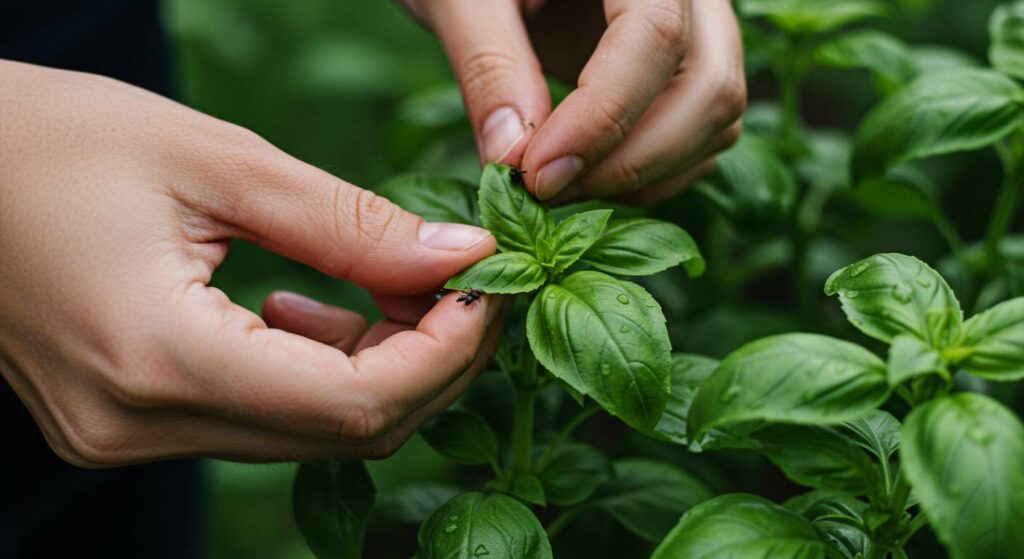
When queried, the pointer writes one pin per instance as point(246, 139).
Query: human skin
point(116, 206)
point(659, 89)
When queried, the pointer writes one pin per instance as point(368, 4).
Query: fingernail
point(501, 133)
point(494, 305)
point(451, 236)
point(297, 302)
point(568, 195)
point(554, 176)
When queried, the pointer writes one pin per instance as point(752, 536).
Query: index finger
point(642, 48)
point(238, 368)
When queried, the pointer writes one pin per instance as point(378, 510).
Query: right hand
point(116, 206)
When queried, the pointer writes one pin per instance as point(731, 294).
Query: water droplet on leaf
point(624, 329)
point(902, 292)
point(453, 518)
point(606, 369)
point(621, 297)
point(480, 551)
point(451, 528)
point(859, 269)
point(924, 283)
point(980, 435)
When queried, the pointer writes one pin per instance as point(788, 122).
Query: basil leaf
point(937, 113)
point(901, 193)
point(751, 186)
point(883, 55)
point(687, 374)
point(606, 338)
point(815, 456)
point(1006, 34)
point(826, 164)
point(877, 432)
point(573, 473)
point(510, 272)
point(738, 525)
point(647, 497)
point(838, 518)
point(433, 199)
point(963, 454)
point(462, 436)
point(331, 501)
point(575, 235)
point(910, 357)
point(791, 378)
point(812, 17)
point(643, 246)
point(475, 525)
point(522, 485)
point(511, 213)
point(886, 295)
point(995, 339)
point(412, 503)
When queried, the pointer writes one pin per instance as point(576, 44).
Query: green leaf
point(509, 272)
point(522, 485)
point(877, 432)
point(790, 378)
point(886, 295)
point(910, 357)
point(883, 55)
point(643, 246)
point(1006, 34)
point(838, 518)
point(433, 199)
point(958, 110)
point(511, 213)
point(751, 185)
point(901, 193)
point(995, 339)
point(573, 473)
point(331, 501)
point(687, 374)
point(816, 457)
point(647, 496)
point(963, 455)
point(475, 525)
point(812, 17)
point(462, 436)
point(412, 503)
point(607, 339)
point(741, 526)
point(826, 164)
point(575, 235)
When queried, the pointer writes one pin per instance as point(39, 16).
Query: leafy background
point(360, 89)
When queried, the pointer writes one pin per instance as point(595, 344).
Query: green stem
point(522, 431)
point(585, 412)
point(1005, 208)
point(915, 524)
point(558, 523)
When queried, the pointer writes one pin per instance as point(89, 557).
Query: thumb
point(501, 80)
point(306, 214)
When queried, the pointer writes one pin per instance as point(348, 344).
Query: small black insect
point(470, 296)
point(516, 175)
point(440, 293)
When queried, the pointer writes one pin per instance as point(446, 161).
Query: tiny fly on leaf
point(516, 175)
point(470, 296)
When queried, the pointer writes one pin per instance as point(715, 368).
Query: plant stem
point(522, 431)
point(558, 523)
point(1005, 208)
point(585, 412)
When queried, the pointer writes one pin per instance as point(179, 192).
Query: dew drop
point(731, 393)
point(480, 551)
point(924, 283)
point(453, 518)
point(552, 295)
point(849, 294)
point(606, 369)
point(859, 269)
point(624, 329)
point(902, 292)
point(621, 297)
point(980, 435)
point(451, 528)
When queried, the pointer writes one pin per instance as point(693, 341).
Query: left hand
point(661, 93)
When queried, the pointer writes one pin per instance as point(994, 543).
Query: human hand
point(116, 206)
point(661, 94)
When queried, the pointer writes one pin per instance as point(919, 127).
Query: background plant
point(773, 230)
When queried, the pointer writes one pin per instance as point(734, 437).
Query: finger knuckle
point(668, 22)
point(613, 116)
point(364, 422)
point(627, 175)
point(729, 95)
point(374, 216)
point(486, 71)
point(94, 444)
